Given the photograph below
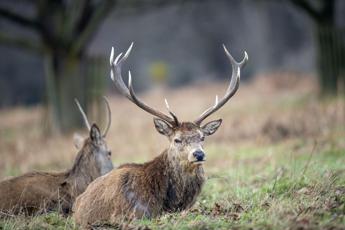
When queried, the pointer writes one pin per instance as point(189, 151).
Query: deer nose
point(199, 155)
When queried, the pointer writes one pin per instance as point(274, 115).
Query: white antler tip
point(129, 50)
point(129, 78)
point(166, 103)
point(225, 49)
point(112, 75)
point(245, 55)
point(228, 54)
point(117, 59)
point(244, 60)
point(111, 59)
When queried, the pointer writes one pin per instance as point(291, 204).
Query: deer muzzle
point(199, 156)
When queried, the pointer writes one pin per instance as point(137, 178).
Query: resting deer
point(39, 192)
point(169, 183)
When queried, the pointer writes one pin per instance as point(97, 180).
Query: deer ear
point(162, 127)
point(95, 133)
point(211, 127)
point(78, 141)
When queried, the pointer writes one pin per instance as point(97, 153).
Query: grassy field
point(277, 162)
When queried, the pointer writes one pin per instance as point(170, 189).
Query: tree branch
point(99, 13)
point(23, 43)
point(18, 19)
point(308, 8)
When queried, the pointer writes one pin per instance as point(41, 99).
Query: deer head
point(94, 147)
point(186, 138)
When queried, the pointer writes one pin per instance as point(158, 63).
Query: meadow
point(277, 161)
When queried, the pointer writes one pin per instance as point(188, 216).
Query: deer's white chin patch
point(198, 162)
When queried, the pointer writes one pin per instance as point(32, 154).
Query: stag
point(169, 183)
point(39, 192)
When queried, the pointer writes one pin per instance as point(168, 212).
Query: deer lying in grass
point(172, 181)
point(39, 192)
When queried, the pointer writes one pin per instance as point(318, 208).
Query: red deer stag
point(172, 181)
point(39, 192)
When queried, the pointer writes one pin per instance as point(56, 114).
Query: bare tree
point(330, 43)
point(63, 29)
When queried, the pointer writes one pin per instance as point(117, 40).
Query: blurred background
point(55, 51)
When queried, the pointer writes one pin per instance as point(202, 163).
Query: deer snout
point(199, 155)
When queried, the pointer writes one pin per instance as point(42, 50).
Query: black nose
point(199, 155)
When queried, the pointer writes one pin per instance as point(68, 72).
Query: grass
point(303, 191)
point(268, 187)
point(47, 221)
point(255, 180)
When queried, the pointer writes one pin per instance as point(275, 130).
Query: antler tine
point(129, 91)
point(83, 114)
point(232, 88)
point(171, 112)
point(215, 104)
point(109, 116)
point(115, 73)
point(145, 107)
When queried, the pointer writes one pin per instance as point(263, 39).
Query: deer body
point(39, 192)
point(165, 184)
point(169, 183)
point(31, 192)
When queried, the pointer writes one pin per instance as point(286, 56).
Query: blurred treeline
point(53, 51)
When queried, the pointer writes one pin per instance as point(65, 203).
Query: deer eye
point(178, 141)
point(109, 153)
point(202, 138)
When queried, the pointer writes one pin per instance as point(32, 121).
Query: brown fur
point(168, 183)
point(138, 191)
point(37, 192)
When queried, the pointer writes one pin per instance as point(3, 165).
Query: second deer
point(169, 183)
point(39, 192)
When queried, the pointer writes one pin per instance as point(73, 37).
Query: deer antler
point(171, 112)
point(128, 92)
point(86, 121)
point(232, 88)
point(109, 116)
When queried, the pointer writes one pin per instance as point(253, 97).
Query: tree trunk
point(330, 59)
point(64, 82)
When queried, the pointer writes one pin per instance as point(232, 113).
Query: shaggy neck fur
point(83, 171)
point(176, 185)
point(184, 183)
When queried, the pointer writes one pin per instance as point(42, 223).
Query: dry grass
point(266, 110)
point(268, 121)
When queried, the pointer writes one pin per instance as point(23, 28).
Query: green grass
point(47, 221)
point(305, 190)
point(267, 187)
point(287, 190)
